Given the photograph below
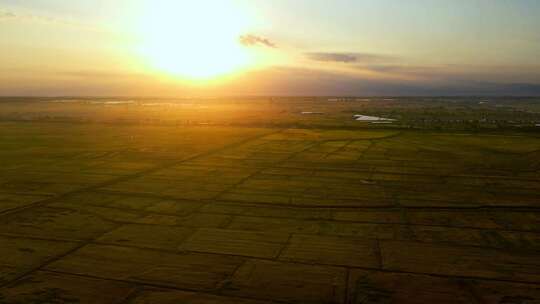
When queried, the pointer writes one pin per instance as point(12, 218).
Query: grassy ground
point(95, 212)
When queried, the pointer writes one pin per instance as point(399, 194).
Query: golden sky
point(257, 47)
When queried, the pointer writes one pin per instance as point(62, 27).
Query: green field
point(249, 201)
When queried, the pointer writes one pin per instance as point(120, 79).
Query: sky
point(260, 47)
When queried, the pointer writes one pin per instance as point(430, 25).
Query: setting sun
point(193, 40)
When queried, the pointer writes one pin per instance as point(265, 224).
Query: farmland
point(251, 201)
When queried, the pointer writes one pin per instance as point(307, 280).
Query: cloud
point(349, 57)
point(389, 67)
point(332, 57)
point(253, 40)
point(100, 74)
point(26, 17)
point(7, 15)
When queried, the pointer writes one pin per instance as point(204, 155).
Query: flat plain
point(255, 202)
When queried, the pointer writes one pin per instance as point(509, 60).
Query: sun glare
point(194, 39)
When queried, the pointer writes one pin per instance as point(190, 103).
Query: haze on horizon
point(256, 47)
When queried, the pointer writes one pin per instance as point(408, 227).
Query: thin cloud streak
point(7, 15)
point(332, 57)
point(28, 17)
point(10, 15)
point(348, 57)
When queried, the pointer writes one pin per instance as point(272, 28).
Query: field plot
point(99, 213)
